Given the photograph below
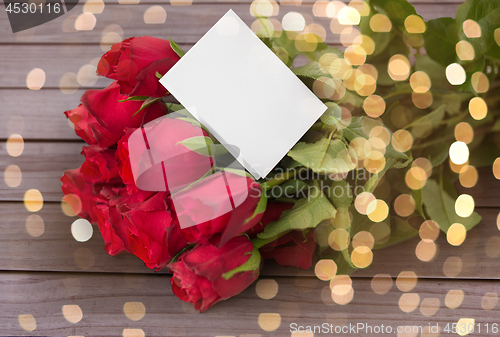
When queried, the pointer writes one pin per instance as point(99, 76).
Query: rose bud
point(206, 274)
point(115, 116)
point(99, 166)
point(134, 63)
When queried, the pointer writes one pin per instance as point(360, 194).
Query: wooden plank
point(37, 114)
point(56, 250)
point(102, 298)
point(42, 164)
point(187, 24)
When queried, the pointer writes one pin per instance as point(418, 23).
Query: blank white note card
point(244, 94)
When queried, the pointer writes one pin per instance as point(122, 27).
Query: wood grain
point(184, 22)
point(304, 301)
point(57, 250)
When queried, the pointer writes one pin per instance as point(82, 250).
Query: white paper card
point(244, 94)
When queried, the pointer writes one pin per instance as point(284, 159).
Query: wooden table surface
point(52, 285)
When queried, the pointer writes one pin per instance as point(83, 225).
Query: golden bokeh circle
point(406, 281)
point(456, 234)
point(266, 288)
point(33, 200)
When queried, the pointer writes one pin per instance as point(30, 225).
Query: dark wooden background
point(39, 275)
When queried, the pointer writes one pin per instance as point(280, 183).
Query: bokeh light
point(134, 311)
point(454, 298)
point(266, 288)
point(459, 153)
point(269, 321)
point(455, 74)
point(406, 281)
point(82, 230)
point(12, 176)
point(456, 234)
point(478, 108)
point(471, 29)
point(381, 283)
point(33, 200)
point(85, 21)
point(15, 145)
point(72, 313)
point(414, 24)
point(465, 51)
point(155, 15)
point(464, 205)
point(27, 322)
point(380, 23)
point(34, 225)
point(35, 79)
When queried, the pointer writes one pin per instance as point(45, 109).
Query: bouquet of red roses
point(211, 261)
point(406, 115)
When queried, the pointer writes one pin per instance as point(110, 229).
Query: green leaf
point(311, 70)
point(174, 107)
point(428, 122)
point(176, 48)
point(306, 213)
point(134, 98)
point(204, 146)
point(252, 264)
point(147, 102)
point(325, 156)
point(417, 196)
point(288, 189)
point(487, 14)
point(440, 40)
point(439, 201)
point(341, 194)
point(158, 75)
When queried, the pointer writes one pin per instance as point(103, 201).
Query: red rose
point(162, 140)
point(112, 224)
point(73, 183)
point(115, 116)
point(272, 213)
point(292, 250)
point(206, 274)
point(87, 128)
point(213, 199)
point(99, 166)
point(134, 64)
point(153, 236)
point(124, 168)
point(141, 224)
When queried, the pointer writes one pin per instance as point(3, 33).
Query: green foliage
point(426, 113)
point(306, 213)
